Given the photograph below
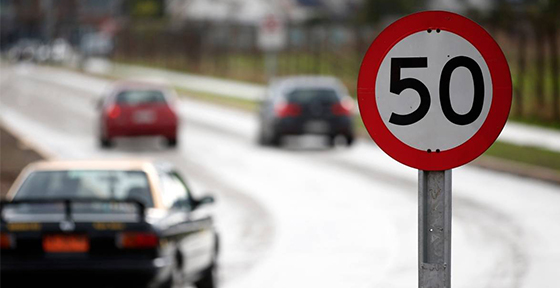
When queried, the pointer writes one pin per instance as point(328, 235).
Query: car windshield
point(138, 97)
point(80, 184)
point(304, 96)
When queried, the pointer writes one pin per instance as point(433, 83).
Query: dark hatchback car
point(306, 105)
point(106, 224)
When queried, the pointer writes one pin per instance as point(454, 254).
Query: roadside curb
point(15, 155)
point(26, 143)
point(519, 169)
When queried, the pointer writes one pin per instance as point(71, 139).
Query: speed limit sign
point(434, 90)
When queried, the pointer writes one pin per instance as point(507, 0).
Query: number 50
point(398, 85)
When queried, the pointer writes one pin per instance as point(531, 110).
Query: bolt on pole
point(434, 229)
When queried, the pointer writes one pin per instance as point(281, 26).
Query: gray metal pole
point(434, 229)
point(271, 63)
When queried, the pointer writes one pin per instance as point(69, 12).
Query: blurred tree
point(544, 16)
point(553, 22)
point(554, 51)
point(519, 88)
point(505, 14)
point(375, 10)
point(146, 8)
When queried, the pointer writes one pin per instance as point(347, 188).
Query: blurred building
point(7, 22)
point(19, 19)
point(253, 11)
point(46, 20)
point(462, 6)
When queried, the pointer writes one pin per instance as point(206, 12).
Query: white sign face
point(272, 34)
point(433, 90)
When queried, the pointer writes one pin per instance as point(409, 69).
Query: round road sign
point(434, 90)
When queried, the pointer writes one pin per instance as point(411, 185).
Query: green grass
point(243, 104)
point(251, 67)
point(525, 154)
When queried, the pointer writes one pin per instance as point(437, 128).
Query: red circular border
point(501, 89)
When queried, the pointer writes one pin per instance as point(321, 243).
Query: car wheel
point(176, 277)
point(349, 140)
point(261, 139)
point(105, 143)
point(172, 143)
point(209, 279)
point(331, 141)
point(275, 139)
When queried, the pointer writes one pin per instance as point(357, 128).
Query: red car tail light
point(286, 109)
point(343, 108)
point(114, 111)
point(6, 241)
point(137, 240)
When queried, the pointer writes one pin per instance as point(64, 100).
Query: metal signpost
point(271, 38)
point(434, 228)
point(434, 92)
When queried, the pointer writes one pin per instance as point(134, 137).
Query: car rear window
point(304, 96)
point(96, 184)
point(138, 97)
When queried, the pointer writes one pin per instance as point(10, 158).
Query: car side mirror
point(204, 200)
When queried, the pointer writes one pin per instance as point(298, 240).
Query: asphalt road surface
point(307, 216)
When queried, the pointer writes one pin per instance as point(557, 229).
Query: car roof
point(141, 83)
point(286, 84)
point(148, 166)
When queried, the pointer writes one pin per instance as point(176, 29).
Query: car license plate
point(144, 117)
point(316, 127)
point(65, 243)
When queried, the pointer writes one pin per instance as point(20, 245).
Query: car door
point(191, 224)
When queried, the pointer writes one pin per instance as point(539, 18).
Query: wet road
point(308, 217)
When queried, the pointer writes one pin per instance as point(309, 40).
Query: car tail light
point(137, 240)
point(283, 109)
point(114, 111)
point(6, 241)
point(343, 107)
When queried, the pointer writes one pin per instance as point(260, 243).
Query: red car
point(138, 109)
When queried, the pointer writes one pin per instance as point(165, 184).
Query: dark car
point(106, 223)
point(306, 105)
point(138, 108)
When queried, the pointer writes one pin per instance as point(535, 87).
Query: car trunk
point(82, 231)
point(146, 115)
